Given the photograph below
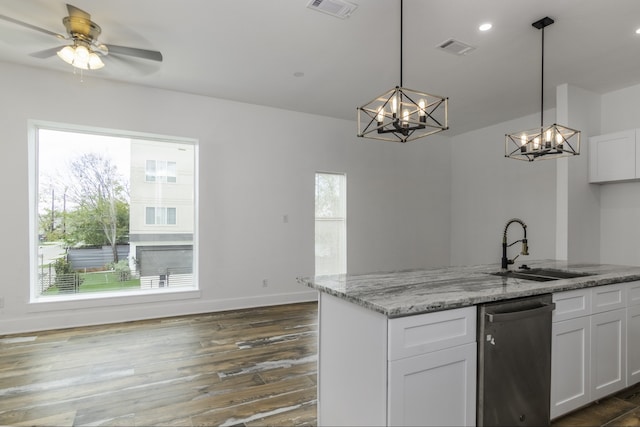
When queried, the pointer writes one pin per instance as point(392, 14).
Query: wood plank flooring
point(245, 367)
point(253, 367)
point(621, 409)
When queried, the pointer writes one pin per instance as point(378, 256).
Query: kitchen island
point(399, 348)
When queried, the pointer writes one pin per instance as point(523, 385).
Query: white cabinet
point(633, 333)
point(614, 157)
point(432, 369)
point(608, 339)
point(435, 389)
point(414, 370)
point(570, 352)
point(633, 344)
point(608, 353)
point(596, 344)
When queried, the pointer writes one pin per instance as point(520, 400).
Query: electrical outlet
point(265, 283)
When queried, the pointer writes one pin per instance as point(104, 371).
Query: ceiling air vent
point(455, 47)
point(338, 8)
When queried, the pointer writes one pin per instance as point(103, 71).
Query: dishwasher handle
point(520, 314)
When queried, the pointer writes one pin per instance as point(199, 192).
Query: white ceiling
point(250, 50)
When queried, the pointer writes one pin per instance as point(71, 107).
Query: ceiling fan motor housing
point(82, 29)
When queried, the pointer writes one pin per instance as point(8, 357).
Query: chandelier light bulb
point(523, 142)
point(536, 143)
point(394, 105)
point(380, 117)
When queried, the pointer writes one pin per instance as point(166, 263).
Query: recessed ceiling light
point(485, 27)
point(638, 31)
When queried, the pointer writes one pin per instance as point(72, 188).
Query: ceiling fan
point(85, 52)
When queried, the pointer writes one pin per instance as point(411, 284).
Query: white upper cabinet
point(614, 157)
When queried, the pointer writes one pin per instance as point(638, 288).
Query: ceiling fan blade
point(31, 27)
point(43, 54)
point(132, 51)
point(126, 64)
point(74, 11)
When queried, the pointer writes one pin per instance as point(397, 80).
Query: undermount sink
point(540, 274)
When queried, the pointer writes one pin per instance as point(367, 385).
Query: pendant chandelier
point(401, 114)
point(542, 143)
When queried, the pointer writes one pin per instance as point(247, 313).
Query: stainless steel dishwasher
point(514, 362)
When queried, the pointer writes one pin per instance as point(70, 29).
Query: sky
point(56, 148)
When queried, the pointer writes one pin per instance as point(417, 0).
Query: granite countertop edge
point(417, 291)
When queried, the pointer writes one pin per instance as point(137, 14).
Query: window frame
point(37, 302)
point(165, 216)
point(335, 219)
point(161, 178)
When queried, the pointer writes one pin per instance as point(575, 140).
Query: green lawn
point(100, 282)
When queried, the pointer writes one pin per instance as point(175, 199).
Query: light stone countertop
point(409, 292)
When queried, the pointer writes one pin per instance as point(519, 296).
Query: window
point(160, 171)
point(330, 223)
point(101, 227)
point(160, 216)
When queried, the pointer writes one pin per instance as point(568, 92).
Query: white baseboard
point(66, 317)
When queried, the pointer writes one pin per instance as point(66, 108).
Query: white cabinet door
point(570, 359)
point(434, 389)
point(608, 352)
point(612, 157)
point(633, 345)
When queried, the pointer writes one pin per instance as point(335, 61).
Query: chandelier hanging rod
point(401, 38)
point(540, 25)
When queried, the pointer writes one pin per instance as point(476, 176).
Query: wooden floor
point(622, 409)
point(247, 367)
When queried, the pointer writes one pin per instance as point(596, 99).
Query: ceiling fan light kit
point(542, 143)
point(85, 52)
point(80, 57)
point(401, 114)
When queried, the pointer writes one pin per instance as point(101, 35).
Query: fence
point(83, 258)
point(110, 280)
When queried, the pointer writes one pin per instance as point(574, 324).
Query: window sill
point(110, 299)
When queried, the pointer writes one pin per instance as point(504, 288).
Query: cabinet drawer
point(633, 293)
point(424, 333)
point(609, 297)
point(572, 304)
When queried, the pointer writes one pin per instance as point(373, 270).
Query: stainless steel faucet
point(525, 248)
